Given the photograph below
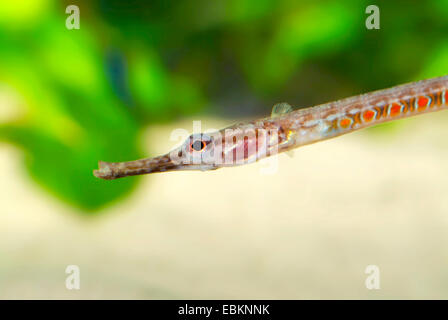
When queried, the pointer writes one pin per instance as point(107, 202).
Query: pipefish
point(286, 129)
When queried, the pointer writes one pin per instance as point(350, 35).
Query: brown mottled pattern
point(306, 126)
point(379, 101)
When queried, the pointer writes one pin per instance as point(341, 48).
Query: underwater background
point(117, 87)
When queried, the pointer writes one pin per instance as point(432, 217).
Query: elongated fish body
point(285, 130)
point(329, 120)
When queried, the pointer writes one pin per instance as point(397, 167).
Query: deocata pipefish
point(286, 129)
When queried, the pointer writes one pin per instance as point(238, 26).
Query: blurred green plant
point(88, 93)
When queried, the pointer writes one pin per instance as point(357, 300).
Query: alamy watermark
point(373, 279)
point(72, 21)
point(373, 20)
point(73, 280)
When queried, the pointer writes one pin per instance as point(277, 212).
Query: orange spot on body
point(345, 123)
point(395, 109)
point(368, 115)
point(422, 103)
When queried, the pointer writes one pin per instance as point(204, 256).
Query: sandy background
point(309, 231)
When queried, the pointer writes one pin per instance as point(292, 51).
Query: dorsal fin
point(280, 109)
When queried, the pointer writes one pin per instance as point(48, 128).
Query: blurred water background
point(136, 70)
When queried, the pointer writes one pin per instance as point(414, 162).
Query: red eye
point(198, 145)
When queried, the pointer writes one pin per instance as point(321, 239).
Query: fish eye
point(198, 145)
